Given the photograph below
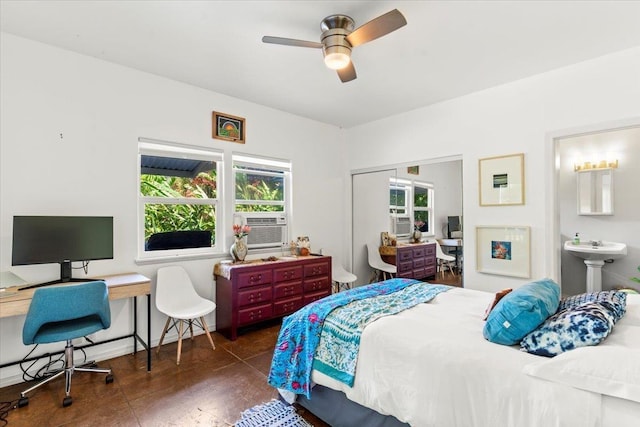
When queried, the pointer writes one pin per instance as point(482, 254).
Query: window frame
point(409, 187)
point(167, 149)
point(429, 208)
point(270, 167)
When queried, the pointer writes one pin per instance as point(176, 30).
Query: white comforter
point(431, 366)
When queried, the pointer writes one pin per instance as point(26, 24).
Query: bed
point(429, 365)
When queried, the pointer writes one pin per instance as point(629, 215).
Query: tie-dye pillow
point(584, 325)
point(615, 301)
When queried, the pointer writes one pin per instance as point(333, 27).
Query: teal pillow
point(522, 311)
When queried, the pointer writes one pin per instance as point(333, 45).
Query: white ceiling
point(447, 49)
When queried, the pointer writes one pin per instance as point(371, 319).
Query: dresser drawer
point(309, 298)
point(319, 283)
point(260, 277)
point(418, 263)
point(286, 274)
point(405, 266)
point(419, 273)
point(254, 314)
point(430, 261)
point(283, 290)
point(316, 269)
point(419, 252)
point(430, 250)
point(404, 255)
point(430, 271)
point(287, 306)
point(254, 296)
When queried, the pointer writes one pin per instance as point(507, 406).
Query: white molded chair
point(444, 260)
point(379, 266)
point(177, 298)
point(341, 278)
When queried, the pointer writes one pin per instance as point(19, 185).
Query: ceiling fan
point(339, 37)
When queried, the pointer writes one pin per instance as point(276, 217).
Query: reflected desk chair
point(64, 313)
point(341, 279)
point(444, 261)
point(380, 268)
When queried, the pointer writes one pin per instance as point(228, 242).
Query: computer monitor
point(61, 239)
point(454, 227)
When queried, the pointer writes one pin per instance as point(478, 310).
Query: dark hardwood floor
point(208, 388)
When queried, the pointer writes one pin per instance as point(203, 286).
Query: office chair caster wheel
point(67, 401)
point(24, 401)
point(108, 379)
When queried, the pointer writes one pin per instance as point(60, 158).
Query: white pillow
point(632, 317)
point(609, 370)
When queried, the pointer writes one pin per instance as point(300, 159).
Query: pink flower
point(295, 385)
point(241, 230)
point(313, 318)
point(284, 346)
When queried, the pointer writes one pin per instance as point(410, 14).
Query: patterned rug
point(271, 414)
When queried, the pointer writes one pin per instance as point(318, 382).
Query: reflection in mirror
point(432, 192)
point(595, 192)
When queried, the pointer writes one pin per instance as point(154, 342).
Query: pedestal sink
point(594, 254)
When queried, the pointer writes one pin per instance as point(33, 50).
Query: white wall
point(101, 109)
point(512, 118)
point(623, 226)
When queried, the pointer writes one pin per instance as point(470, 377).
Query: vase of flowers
point(416, 236)
point(239, 248)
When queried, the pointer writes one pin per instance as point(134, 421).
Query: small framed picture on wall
point(228, 127)
point(501, 180)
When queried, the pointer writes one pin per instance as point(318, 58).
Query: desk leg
point(149, 333)
point(136, 337)
point(135, 325)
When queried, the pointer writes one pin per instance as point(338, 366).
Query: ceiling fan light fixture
point(336, 60)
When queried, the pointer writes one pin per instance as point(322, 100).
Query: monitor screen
point(454, 223)
point(454, 227)
point(60, 239)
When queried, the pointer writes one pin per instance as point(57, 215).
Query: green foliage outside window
point(260, 188)
point(162, 217)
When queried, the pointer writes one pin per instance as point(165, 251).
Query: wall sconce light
point(602, 164)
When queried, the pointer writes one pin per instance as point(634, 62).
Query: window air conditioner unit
point(402, 226)
point(268, 230)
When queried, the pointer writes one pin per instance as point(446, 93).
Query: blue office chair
point(63, 313)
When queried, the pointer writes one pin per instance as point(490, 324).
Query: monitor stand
point(65, 277)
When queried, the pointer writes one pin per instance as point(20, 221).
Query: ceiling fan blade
point(291, 42)
point(347, 73)
point(378, 27)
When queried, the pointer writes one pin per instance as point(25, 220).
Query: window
point(178, 198)
point(262, 199)
point(398, 198)
point(410, 206)
point(423, 207)
point(260, 184)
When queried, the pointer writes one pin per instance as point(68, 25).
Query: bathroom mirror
point(595, 192)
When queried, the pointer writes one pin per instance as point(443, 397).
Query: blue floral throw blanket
point(334, 340)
